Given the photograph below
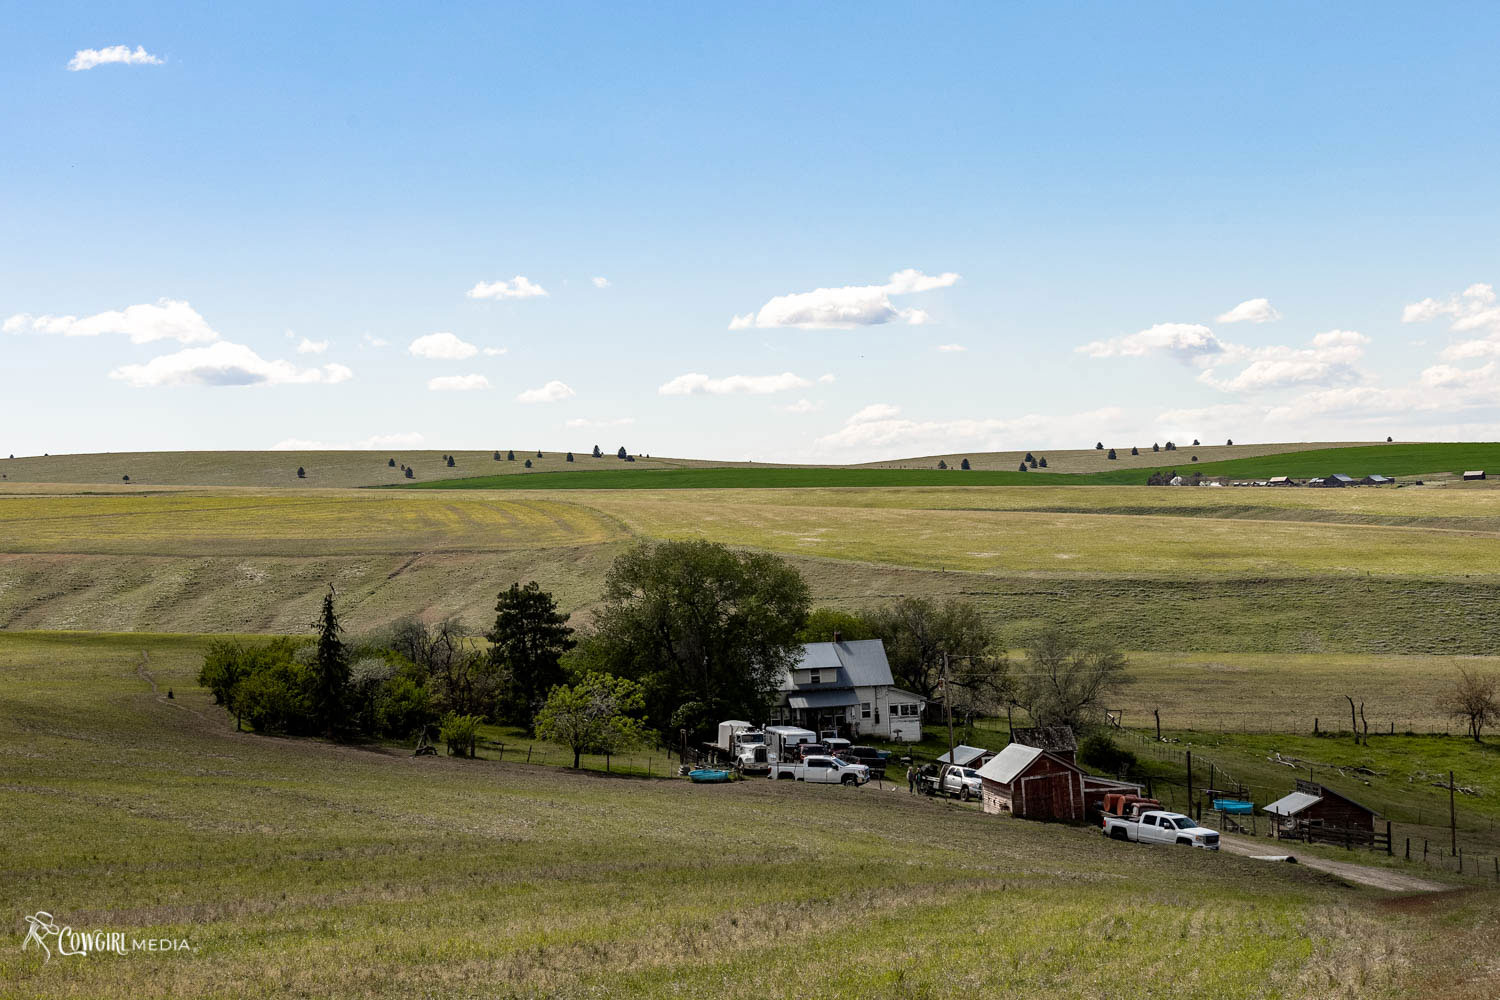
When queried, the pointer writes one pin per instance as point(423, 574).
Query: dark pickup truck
point(872, 758)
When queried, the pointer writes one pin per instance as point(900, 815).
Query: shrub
point(1155, 446)
point(1134, 450)
point(125, 479)
point(528, 463)
point(1229, 443)
point(510, 456)
point(630, 458)
point(1111, 456)
point(1171, 446)
point(278, 698)
point(1195, 443)
point(460, 733)
point(964, 465)
point(942, 463)
point(391, 463)
point(1195, 458)
point(1100, 752)
point(1387, 441)
point(497, 456)
point(538, 454)
point(402, 707)
point(301, 472)
point(569, 458)
point(1042, 462)
point(409, 473)
point(597, 452)
point(1099, 446)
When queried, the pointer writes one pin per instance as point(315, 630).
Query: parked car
point(1158, 827)
point(822, 769)
point(960, 782)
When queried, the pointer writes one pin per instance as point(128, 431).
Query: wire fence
point(659, 762)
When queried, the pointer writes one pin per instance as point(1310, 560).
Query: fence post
point(1408, 849)
point(528, 755)
point(1387, 838)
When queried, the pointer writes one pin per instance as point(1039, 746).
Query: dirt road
point(1380, 878)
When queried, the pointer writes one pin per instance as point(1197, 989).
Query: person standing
point(911, 779)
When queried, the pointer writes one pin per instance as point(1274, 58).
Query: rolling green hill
point(1386, 459)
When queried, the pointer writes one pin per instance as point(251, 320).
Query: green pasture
point(299, 868)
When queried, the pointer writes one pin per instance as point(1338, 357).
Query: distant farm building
point(1338, 479)
point(1473, 474)
point(1031, 783)
point(1281, 481)
point(1053, 739)
point(1373, 480)
point(1315, 808)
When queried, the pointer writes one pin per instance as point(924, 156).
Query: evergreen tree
point(965, 465)
point(409, 474)
point(942, 463)
point(570, 456)
point(1134, 450)
point(528, 642)
point(1195, 443)
point(1042, 462)
point(621, 452)
point(1111, 456)
point(330, 669)
point(497, 456)
point(450, 461)
point(528, 463)
point(510, 456)
point(1030, 458)
point(1023, 467)
point(301, 472)
point(1229, 443)
point(1099, 446)
point(597, 452)
point(1031, 462)
point(391, 462)
point(1155, 446)
point(538, 454)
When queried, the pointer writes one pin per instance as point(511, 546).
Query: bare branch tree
point(1474, 700)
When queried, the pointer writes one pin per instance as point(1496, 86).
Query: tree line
point(686, 634)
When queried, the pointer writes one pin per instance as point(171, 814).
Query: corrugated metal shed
point(964, 756)
point(1010, 762)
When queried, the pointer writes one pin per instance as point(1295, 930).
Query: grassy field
point(303, 869)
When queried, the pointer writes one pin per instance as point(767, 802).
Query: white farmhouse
point(846, 688)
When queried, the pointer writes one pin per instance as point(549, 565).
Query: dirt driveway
point(1380, 878)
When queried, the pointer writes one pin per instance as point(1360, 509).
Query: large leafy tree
point(330, 670)
point(527, 645)
point(696, 621)
point(1067, 680)
point(593, 716)
point(917, 632)
point(825, 623)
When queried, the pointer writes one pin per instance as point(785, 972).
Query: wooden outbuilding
point(967, 756)
point(1032, 783)
point(1374, 480)
point(1473, 475)
point(1060, 740)
point(1318, 808)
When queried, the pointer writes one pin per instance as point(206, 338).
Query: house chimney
point(838, 636)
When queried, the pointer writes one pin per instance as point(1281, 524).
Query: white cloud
point(494, 352)
point(442, 347)
point(848, 306)
point(802, 406)
point(601, 282)
point(1330, 361)
point(1187, 342)
point(224, 364)
point(516, 288)
point(312, 346)
point(89, 58)
point(374, 341)
point(166, 319)
point(552, 392)
point(584, 422)
point(878, 431)
point(694, 383)
point(406, 439)
point(875, 411)
point(827, 378)
point(1472, 310)
point(951, 348)
point(1251, 311)
point(458, 383)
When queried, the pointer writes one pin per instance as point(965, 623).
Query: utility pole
point(1452, 815)
point(1190, 782)
point(948, 707)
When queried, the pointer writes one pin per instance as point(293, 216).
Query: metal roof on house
point(860, 663)
point(1341, 477)
point(1291, 805)
point(1010, 762)
point(963, 755)
point(822, 699)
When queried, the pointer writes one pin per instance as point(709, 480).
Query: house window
point(906, 709)
point(864, 710)
point(813, 677)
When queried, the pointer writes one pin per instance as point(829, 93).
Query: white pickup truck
point(1158, 827)
point(961, 782)
point(823, 770)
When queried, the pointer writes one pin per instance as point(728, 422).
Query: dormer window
point(813, 677)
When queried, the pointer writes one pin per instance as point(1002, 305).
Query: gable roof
point(963, 755)
point(1291, 805)
point(1341, 477)
point(1010, 762)
point(860, 663)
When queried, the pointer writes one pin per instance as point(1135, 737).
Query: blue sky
point(243, 227)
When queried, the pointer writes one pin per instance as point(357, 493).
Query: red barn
point(1033, 783)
